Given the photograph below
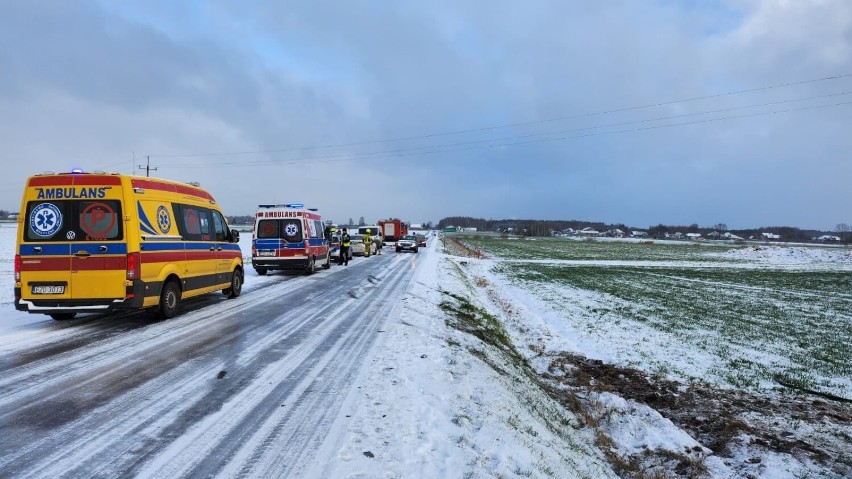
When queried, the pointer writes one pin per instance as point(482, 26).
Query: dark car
point(408, 243)
point(421, 240)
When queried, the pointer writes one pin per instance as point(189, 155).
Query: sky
point(633, 112)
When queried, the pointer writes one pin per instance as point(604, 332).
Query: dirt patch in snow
point(726, 421)
point(460, 248)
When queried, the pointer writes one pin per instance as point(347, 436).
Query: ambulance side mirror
point(235, 236)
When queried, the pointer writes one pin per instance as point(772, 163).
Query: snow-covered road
point(206, 393)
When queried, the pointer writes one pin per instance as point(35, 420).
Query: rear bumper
point(133, 300)
point(280, 263)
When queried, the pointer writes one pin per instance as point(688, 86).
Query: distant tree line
point(547, 227)
point(523, 227)
point(787, 233)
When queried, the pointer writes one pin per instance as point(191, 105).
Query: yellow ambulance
point(99, 242)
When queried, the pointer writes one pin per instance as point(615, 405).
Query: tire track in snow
point(296, 344)
point(63, 391)
point(274, 426)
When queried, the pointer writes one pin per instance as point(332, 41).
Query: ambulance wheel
point(312, 266)
point(398, 250)
point(169, 300)
point(260, 271)
point(236, 285)
point(63, 316)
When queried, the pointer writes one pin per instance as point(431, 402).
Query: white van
point(374, 232)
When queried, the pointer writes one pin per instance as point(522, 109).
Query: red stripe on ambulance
point(172, 188)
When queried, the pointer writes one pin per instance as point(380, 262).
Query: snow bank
point(437, 402)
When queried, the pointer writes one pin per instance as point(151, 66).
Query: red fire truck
point(393, 229)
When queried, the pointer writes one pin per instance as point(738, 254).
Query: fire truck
point(393, 229)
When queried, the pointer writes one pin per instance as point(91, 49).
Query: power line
point(147, 167)
point(511, 125)
point(450, 147)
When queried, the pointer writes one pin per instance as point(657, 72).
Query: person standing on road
point(379, 243)
point(345, 243)
point(368, 243)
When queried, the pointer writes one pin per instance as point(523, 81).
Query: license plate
point(48, 289)
point(266, 253)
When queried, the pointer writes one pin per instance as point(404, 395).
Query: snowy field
point(555, 358)
point(759, 321)
point(736, 317)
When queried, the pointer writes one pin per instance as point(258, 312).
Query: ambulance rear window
point(73, 220)
point(287, 229)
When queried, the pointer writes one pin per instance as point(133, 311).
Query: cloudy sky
point(635, 112)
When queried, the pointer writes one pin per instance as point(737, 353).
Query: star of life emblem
point(291, 229)
point(164, 220)
point(45, 220)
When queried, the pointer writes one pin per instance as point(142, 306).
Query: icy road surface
point(249, 386)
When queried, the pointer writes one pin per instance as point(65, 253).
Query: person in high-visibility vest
point(345, 243)
point(368, 243)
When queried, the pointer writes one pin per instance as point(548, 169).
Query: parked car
point(408, 243)
point(357, 248)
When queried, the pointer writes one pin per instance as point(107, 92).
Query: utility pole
point(147, 167)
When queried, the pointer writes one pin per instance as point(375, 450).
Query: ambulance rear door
point(99, 256)
point(72, 244)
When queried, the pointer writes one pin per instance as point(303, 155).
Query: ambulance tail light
point(17, 268)
point(134, 266)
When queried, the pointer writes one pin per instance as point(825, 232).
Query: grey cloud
point(254, 76)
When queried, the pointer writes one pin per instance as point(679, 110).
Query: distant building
point(828, 239)
point(770, 236)
point(693, 236)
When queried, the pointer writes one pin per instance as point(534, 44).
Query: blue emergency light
point(76, 171)
point(288, 205)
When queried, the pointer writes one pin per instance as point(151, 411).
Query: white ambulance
point(289, 237)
